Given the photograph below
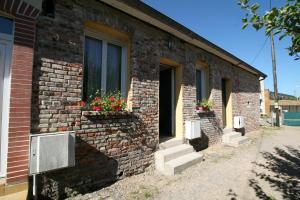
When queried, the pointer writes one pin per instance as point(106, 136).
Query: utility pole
point(275, 80)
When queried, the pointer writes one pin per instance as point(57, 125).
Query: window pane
point(92, 67)
point(114, 63)
point(6, 25)
point(199, 85)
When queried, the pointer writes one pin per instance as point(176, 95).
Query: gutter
point(151, 16)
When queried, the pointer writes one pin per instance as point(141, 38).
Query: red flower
point(117, 107)
point(112, 99)
point(82, 103)
point(97, 99)
point(97, 108)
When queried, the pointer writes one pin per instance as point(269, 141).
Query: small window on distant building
point(48, 8)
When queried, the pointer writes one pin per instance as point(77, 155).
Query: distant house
point(160, 66)
point(287, 103)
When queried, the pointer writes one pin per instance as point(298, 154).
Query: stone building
point(153, 61)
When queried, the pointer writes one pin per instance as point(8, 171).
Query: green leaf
point(245, 25)
point(282, 36)
point(254, 7)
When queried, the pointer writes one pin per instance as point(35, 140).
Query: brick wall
point(211, 132)
point(21, 86)
point(58, 83)
point(109, 147)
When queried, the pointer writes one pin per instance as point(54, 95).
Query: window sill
point(111, 113)
point(204, 111)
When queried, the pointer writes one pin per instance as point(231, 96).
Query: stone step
point(163, 156)
point(177, 165)
point(230, 136)
point(170, 143)
point(238, 141)
point(227, 130)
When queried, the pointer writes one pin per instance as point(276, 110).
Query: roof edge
point(146, 13)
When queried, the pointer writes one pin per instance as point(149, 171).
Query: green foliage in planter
point(205, 104)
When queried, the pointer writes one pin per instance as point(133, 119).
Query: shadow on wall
point(93, 171)
point(108, 149)
point(282, 173)
point(211, 131)
point(200, 144)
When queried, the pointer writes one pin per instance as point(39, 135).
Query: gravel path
point(268, 168)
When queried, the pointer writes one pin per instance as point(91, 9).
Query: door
point(226, 103)
point(6, 36)
point(166, 102)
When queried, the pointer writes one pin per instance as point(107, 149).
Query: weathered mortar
point(58, 83)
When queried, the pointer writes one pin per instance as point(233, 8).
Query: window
point(104, 66)
point(6, 25)
point(201, 83)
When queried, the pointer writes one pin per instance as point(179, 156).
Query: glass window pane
point(92, 67)
point(199, 85)
point(6, 25)
point(114, 63)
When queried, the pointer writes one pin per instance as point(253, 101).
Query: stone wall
point(58, 86)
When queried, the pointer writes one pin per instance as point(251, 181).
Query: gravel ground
point(268, 168)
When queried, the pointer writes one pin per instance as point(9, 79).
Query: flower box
point(111, 113)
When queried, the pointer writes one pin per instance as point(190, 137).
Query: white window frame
point(203, 82)
point(105, 40)
point(8, 40)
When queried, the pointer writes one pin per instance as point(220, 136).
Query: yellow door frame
point(228, 109)
point(178, 95)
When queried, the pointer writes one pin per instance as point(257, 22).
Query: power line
point(260, 50)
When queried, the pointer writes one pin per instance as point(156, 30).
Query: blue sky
point(220, 22)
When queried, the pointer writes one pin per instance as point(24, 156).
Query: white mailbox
point(238, 122)
point(192, 129)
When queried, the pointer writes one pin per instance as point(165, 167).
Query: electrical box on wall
point(238, 122)
point(192, 129)
point(51, 151)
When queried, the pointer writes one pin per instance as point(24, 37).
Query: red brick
point(17, 144)
point(17, 168)
point(16, 158)
point(19, 179)
point(18, 163)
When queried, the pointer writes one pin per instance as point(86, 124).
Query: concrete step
point(163, 156)
point(170, 143)
point(238, 141)
point(227, 130)
point(179, 164)
point(230, 136)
